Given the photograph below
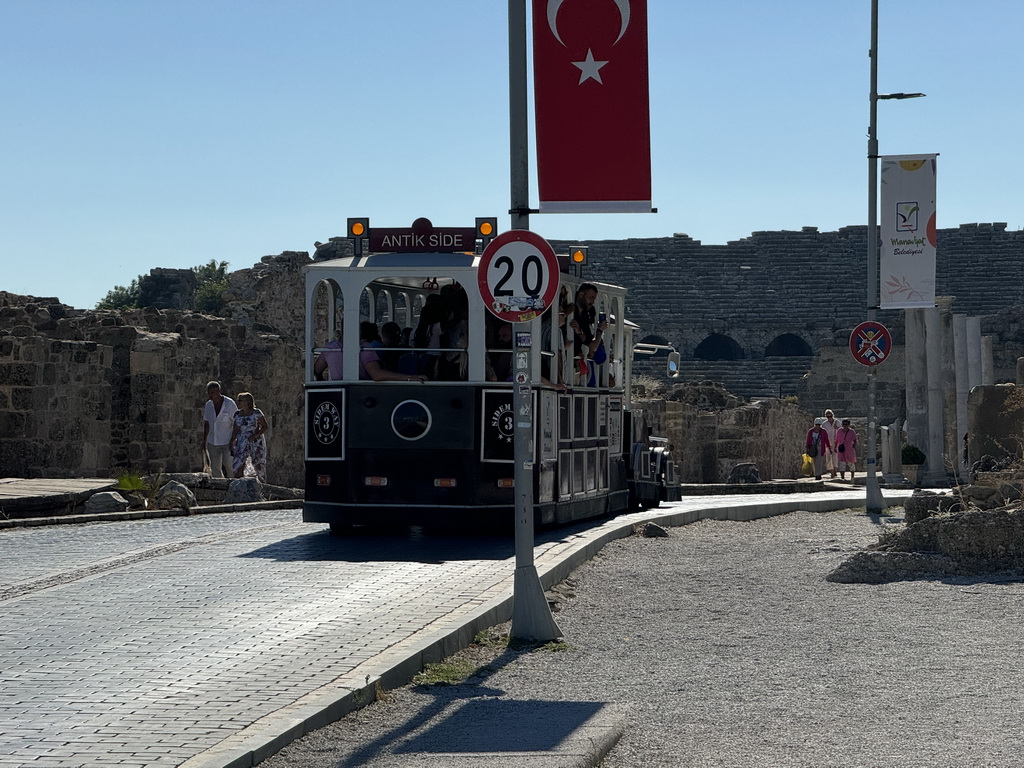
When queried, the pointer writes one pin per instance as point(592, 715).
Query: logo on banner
point(906, 216)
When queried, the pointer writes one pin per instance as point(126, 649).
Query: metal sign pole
point(531, 615)
point(873, 501)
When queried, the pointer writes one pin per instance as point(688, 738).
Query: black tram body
point(440, 453)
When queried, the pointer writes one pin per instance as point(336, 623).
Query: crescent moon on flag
point(554, 5)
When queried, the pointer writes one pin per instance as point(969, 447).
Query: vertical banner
point(907, 256)
point(592, 106)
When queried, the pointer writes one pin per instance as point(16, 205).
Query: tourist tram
point(423, 435)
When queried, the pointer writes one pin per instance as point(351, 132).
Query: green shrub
point(911, 454)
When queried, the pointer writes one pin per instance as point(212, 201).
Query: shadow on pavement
point(411, 545)
point(471, 718)
point(483, 725)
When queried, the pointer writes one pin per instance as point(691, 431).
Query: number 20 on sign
point(518, 276)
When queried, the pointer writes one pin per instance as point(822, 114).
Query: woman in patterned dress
point(247, 441)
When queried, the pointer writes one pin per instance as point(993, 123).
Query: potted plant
point(912, 458)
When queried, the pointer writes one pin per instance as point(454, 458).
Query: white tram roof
point(395, 266)
point(391, 268)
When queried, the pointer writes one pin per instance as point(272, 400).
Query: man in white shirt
point(218, 421)
point(831, 425)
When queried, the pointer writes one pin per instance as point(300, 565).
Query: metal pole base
point(875, 503)
point(531, 615)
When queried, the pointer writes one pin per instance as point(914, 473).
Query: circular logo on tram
point(326, 422)
point(503, 423)
point(411, 420)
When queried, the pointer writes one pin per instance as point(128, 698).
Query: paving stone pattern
point(200, 631)
point(153, 662)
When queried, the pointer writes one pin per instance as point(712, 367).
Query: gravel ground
point(729, 648)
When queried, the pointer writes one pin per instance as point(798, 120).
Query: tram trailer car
point(439, 452)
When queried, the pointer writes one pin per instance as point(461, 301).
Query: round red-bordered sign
point(518, 276)
point(870, 343)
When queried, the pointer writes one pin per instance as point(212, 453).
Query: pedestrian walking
point(218, 421)
point(816, 446)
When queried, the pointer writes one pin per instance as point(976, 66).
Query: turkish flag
point(592, 106)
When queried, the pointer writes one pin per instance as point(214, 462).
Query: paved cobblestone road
point(147, 643)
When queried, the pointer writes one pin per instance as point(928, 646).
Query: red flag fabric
point(592, 106)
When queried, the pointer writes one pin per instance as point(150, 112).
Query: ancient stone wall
point(808, 284)
point(54, 406)
point(93, 393)
point(89, 392)
point(711, 431)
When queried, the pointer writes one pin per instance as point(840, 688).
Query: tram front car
point(414, 425)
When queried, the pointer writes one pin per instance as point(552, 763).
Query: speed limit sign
point(518, 275)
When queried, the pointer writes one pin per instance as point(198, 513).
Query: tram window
point(602, 469)
point(564, 473)
point(579, 466)
point(592, 469)
point(580, 417)
point(591, 417)
point(565, 418)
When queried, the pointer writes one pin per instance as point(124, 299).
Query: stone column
point(935, 468)
point(988, 376)
point(974, 351)
point(950, 437)
point(892, 461)
point(916, 377)
point(962, 389)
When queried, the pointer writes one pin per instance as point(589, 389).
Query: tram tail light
point(445, 482)
point(375, 482)
point(507, 482)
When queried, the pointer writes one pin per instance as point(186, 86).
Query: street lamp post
point(875, 502)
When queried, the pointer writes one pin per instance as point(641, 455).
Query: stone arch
point(655, 339)
point(788, 345)
point(718, 346)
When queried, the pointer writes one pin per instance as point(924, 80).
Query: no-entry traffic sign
point(518, 275)
point(870, 343)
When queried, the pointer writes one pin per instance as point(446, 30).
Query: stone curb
point(147, 514)
point(399, 664)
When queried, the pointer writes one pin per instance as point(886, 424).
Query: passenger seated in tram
point(391, 342)
point(369, 359)
point(428, 334)
point(588, 332)
point(560, 346)
point(330, 360)
point(453, 364)
point(499, 337)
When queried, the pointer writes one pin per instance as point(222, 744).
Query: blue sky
point(143, 133)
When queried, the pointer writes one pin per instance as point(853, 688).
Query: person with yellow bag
point(816, 446)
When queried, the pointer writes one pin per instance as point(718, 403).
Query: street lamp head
point(900, 95)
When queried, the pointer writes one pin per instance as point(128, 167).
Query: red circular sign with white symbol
point(518, 276)
point(870, 343)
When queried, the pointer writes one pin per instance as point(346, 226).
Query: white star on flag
point(589, 69)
